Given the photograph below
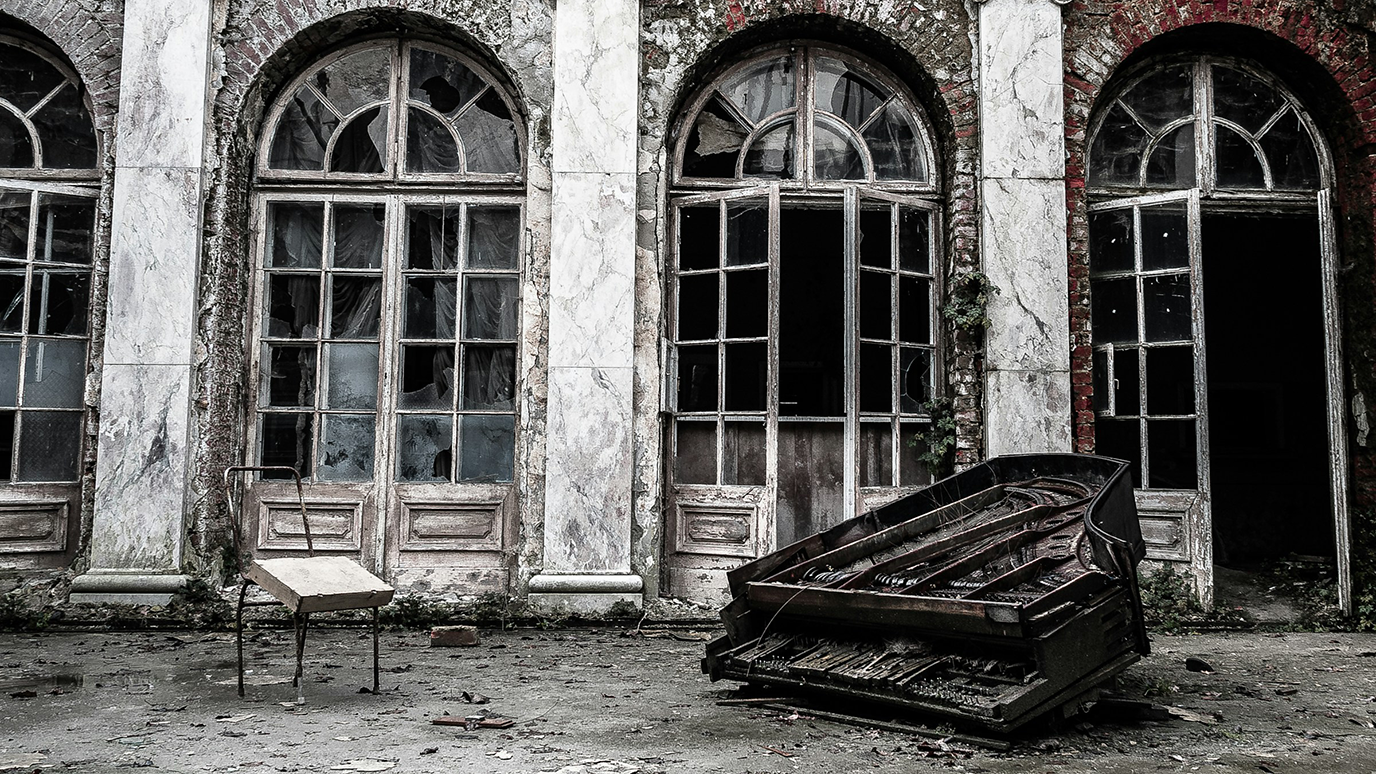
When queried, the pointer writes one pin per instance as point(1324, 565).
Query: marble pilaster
point(1023, 231)
point(588, 474)
point(142, 452)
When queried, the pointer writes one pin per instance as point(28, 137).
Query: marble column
point(142, 465)
point(587, 542)
point(1023, 231)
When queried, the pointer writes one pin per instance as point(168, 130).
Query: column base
point(585, 594)
point(125, 588)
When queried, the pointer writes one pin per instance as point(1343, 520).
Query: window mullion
point(1206, 168)
point(851, 274)
point(771, 454)
point(384, 412)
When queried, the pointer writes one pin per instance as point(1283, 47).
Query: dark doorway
point(1268, 441)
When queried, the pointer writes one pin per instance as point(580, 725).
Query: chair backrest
point(236, 516)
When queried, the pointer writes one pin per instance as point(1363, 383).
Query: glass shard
point(362, 144)
point(346, 448)
point(425, 447)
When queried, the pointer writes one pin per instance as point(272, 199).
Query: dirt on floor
point(618, 701)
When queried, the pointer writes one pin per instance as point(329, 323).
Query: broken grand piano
point(990, 598)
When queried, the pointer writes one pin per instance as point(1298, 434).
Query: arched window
point(803, 287)
point(390, 209)
point(1215, 354)
point(48, 187)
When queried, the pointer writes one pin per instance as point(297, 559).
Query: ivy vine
point(939, 439)
point(967, 304)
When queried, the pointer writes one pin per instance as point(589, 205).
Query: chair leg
point(375, 670)
point(302, 620)
point(239, 633)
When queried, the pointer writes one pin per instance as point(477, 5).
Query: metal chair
point(306, 585)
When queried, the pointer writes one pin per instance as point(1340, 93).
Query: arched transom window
point(803, 286)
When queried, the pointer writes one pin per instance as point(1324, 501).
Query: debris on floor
point(453, 636)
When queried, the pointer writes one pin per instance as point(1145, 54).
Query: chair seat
point(319, 583)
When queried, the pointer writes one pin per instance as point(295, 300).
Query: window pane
point(14, 225)
point(812, 297)
point(490, 308)
point(65, 225)
point(834, 155)
point(715, 143)
point(427, 377)
point(695, 454)
point(359, 79)
point(1167, 303)
point(912, 470)
point(1115, 158)
point(1110, 241)
point(771, 156)
point(1164, 96)
point(9, 373)
point(11, 299)
point(346, 448)
point(358, 235)
point(844, 92)
point(697, 307)
point(65, 131)
point(293, 306)
point(894, 145)
point(59, 303)
point(914, 243)
point(55, 373)
point(876, 238)
point(432, 238)
point(25, 77)
point(488, 448)
point(16, 145)
point(1238, 165)
point(876, 377)
point(489, 136)
point(1127, 396)
point(290, 376)
point(1242, 99)
point(697, 378)
point(876, 454)
point(747, 234)
point(1165, 239)
point(1170, 380)
point(302, 133)
point(1113, 311)
point(1171, 454)
point(1290, 152)
point(489, 378)
point(355, 307)
point(430, 307)
point(295, 230)
point(431, 146)
point(494, 237)
point(352, 383)
point(1100, 376)
point(442, 82)
point(49, 443)
point(747, 368)
point(287, 440)
point(914, 310)
point(1172, 163)
point(747, 304)
point(6, 444)
point(1121, 439)
point(362, 144)
point(743, 460)
point(424, 447)
point(762, 88)
point(876, 305)
point(698, 235)
point(914, 380)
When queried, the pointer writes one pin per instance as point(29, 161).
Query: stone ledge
point(125, 588)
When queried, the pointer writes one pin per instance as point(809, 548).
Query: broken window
point(48, 187)
point(388, 322)
point(803, 293)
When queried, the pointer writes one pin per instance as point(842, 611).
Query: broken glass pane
point(431, 146)
point(494, 237)
point(1244, 100)
point(55, 373)
point(747, 234)
point(914, 380)
point(762, 88)
point(303, 132)
point(424, 447)
point(25, 77)
point(362, 144)
point(747, 367)
point(290, 376)
point(716, 141)
point(876, 377)
point(835, 155)
point(489, 378)
point(293, 306)
point(876, 454)
point(65, 226)
point(488, 445)
point(296, 233)
point(65, 131)
point(346, 448)
point(14, 226)
point(427, 377)
point(1110, 241)
point(747, 304)
point(359, 79)
point(431, 305)
point(840, 90)
point(695, 454)
point(432, 238)
point(287, 440)
point(911, 446)
point(1163, 96)
point(358, 235)
point(697, 306)
point(894, 145)
point(743, 454)
point(489, 136)
point(49, 445)
point(1100, 375)
point(914, 310)
point(1113, 310)
point(16, 146)
point(771, 155)
point(914, 240)
point(697, 378)
point(490, 308)
point(1238, 164)
point(1290, 151)
point(9, 373)
point(876, 305)
point(11, 299)
point(698, 238)
point(876, 238)
point(442, 82)
point(1127, 397)
point(1171, 454)
point(352, 382)
point(59, 303)
point(1170, 380)
point(1167, 304)
point(1116, 155)
point(1165, 239)
point(1121, 439)
point(1172, 162)
point(355, 307)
